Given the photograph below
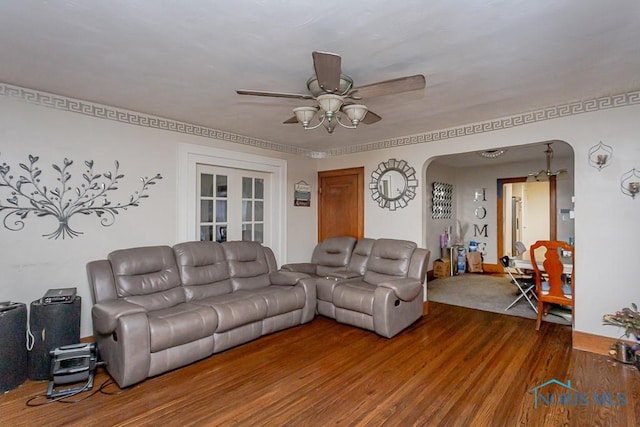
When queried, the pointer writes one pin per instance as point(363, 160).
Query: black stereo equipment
point(51, 326)
point(13, 345)
point(73, 365)
point(59, 295)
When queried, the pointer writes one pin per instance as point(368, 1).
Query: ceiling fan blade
point(274, 94)
point(327, 66)
point(402, 84)
point(293, 119)
point(371, 118)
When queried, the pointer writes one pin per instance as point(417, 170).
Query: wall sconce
point(630, 183)
point(599, 155)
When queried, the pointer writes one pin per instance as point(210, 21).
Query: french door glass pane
point(221, 233)
point(259, 211)
point(247, 232)
point(258, 235)
point(206, 210)
point(247, 212)
point(206, 232)
point(206, 185)
point(247, 187)
point(221, 186)
point(221, 211)
point(259, 184)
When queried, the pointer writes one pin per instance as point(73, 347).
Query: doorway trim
point(553, 225)
point(190, 155)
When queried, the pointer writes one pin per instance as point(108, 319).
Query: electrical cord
point(32, 401)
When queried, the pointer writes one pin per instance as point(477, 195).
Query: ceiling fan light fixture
point(330, 104)
point(545, 174)
point(305, 115)
point(329, 87)
point(355, 113)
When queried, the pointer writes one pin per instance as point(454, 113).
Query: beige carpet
point(487, 293)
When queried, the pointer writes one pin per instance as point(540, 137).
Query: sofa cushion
point(203, 269)
point(248, 265)
point(332, 254)
point(180, 324)
point(389, 259)
point(360, 255)
point(356, 296)
point(236, 309)
point(282, 299)
point(147, 276)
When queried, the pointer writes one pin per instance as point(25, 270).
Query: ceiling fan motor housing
point(346, 83)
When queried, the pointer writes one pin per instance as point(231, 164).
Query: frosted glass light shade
point(355, 112)
point(304, 115)
point(330, 103)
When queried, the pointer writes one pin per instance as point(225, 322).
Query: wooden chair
point(550, 280)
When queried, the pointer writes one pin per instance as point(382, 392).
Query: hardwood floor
point(455, 366)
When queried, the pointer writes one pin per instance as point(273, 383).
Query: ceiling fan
point(334, 94)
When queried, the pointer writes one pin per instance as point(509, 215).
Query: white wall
point(606, 224)
point(31, 264)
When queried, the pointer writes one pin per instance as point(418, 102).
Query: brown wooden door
point(341, 203)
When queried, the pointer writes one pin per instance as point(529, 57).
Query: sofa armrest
point(343, 274)
point(286, 278)
point(106, 314)
point(300, 267)
point(405, 288)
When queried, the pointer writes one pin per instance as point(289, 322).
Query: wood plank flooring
point(455, 366)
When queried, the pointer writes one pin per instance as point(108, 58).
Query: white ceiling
point(184, 60)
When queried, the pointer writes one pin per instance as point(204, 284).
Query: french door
point(233, 204)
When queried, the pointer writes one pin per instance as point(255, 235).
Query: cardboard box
point(441, 268)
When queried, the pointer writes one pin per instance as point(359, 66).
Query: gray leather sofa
point(159, 308)
point(385, 294)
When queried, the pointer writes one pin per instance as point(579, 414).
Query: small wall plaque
point(301, 194)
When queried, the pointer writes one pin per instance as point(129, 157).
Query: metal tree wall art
point(29, 196)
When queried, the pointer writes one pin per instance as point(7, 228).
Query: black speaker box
point(13, 350)
point(52, 325)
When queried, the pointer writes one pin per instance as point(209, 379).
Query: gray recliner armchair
point(389, 296)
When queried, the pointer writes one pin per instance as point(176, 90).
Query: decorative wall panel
point(442, 197)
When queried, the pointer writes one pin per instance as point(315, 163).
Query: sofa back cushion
point(389, 260)
point(147, 276)
point(203, 269)
point(332, 254)
point(248, 265)
point(360, 255)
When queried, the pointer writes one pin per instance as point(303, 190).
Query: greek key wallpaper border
point(139, 119)
point(131, 117)
point(570, 109)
